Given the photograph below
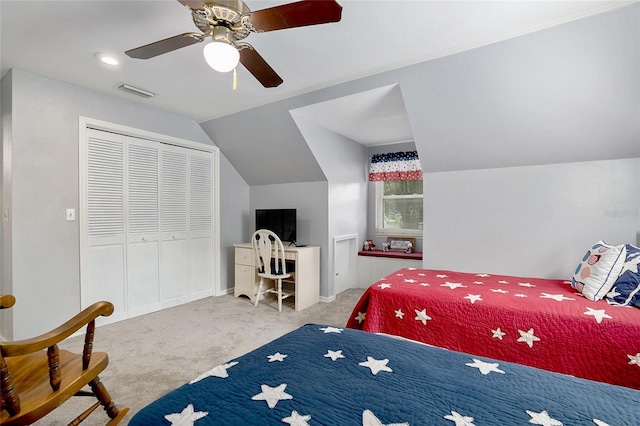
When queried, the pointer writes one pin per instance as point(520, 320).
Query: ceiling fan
point(227, 22)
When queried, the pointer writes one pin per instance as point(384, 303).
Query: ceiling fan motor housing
point(223, 19)
point(222, 34)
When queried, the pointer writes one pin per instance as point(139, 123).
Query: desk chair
point(270, 263)
point(37, 377)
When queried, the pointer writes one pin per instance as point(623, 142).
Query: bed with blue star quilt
point(324, 375)
point(542, 323)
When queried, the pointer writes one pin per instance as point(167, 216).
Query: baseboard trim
point(327, 299)
point(227, 291)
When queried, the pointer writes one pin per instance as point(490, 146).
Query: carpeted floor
point(152, 354)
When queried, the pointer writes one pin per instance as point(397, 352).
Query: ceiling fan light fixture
point(221, 56)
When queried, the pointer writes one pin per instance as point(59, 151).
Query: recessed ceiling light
point(106, 59)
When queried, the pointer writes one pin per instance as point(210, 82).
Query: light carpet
point(155, 353)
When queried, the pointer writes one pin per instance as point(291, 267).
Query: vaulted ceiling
point(58, 40)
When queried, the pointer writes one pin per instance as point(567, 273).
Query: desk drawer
point(244, 256)
point(246, 281)
point(245, 277)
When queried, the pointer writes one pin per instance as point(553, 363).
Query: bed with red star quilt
point(542, 323)
point(324, 375)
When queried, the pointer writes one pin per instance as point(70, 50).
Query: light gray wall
point(44, 143)
point(569, 93)
point(534, 221)
point(265, 135)
point(269, 134)
point(310, 201)
point(343, 161)
point(234, 219)
point(540, 113)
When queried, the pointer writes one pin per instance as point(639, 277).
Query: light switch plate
point(71, 215)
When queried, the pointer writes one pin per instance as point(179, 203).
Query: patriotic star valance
point(395, 166)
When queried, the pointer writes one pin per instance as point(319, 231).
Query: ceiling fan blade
point(298, 14)
point(163, 46)
point(192, 4)
point(257, 66)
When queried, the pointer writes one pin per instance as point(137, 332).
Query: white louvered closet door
point(105, 211)
point(200, 224)
point(149, 229)
point(175, 246)
point(143, 226)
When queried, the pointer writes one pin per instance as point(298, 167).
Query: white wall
point(535, 221)
point(44, 182)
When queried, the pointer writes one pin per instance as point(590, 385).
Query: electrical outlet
point(71, 215)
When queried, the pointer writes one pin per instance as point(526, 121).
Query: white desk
point(305, 275)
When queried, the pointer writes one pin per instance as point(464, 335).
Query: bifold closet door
point(143, 226)
point(150, 224)
point(106, 235)
point(200, 225)
point(175, 246)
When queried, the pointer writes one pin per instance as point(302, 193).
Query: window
point(399, 207)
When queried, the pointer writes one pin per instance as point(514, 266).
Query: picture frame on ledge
point(401, 243)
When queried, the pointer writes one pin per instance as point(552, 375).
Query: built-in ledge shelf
point(391, 254)
point(374, 265)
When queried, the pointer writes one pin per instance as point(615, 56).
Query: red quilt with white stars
point(537, 322)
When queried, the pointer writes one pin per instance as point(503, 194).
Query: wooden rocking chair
point(36, 381)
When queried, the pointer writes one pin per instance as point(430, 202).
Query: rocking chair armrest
point(7, 301)
point(57, 335)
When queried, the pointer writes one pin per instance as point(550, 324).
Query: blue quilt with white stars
point(324, 375)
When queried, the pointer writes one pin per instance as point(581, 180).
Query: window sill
point(391, 254)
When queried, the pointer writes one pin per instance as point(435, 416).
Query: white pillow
point(599, 270)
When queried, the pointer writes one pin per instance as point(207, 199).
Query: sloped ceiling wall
point(569, 93)
point(265, 146)
point(566, 94)
point(374, 117)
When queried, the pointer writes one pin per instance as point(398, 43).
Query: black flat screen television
point(281, 221)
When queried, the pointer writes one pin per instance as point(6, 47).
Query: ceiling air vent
point(135, 90)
